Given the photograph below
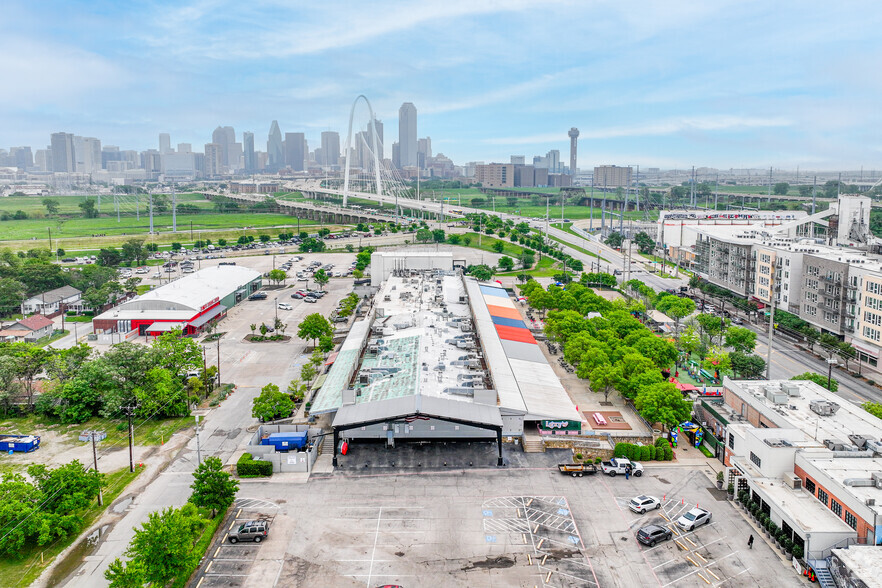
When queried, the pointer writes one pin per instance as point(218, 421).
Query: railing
point(825, 553)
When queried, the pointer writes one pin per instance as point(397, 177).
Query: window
point(822, 496)
point(810, 486)
point(836, 508)
point(756, 460)
point(731, 441)
point(873, 287)
point(850, 520)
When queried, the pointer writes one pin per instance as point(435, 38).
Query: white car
point(157, 275)
point(285, 306)
point(640, 504)
point(141, 270)
point(694, 518)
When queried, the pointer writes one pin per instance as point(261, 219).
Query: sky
point(726, 84)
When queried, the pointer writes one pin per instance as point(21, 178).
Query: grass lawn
point(567, 227)
point(70, 205)
point(36, 558)
point(78, 319)
point(487, 242)
point(545, 268)
point(149, 432)
point(53, 337)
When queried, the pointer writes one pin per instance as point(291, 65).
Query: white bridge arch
point(376, 155)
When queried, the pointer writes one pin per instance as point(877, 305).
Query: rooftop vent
point(778, 443)
point(860, 441)
point(836, 445)
point(791, 388)
point(824, 407)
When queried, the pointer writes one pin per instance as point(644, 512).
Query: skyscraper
point(424, 152)
point(219, 137)
point(295, 150)
point(63, 159)
point(213, 160)
point(275, 156)
point(164, 143)
point(248, 142)
point(574, 139)
point(331, 147)
point(407, 135)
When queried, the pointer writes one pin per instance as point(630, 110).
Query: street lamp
point(830, 362)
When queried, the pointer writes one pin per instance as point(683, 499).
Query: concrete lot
point(524, 525)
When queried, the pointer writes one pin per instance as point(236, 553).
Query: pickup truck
point(617, 465)
point(577, 469)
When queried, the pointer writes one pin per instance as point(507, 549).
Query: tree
point(747, 366)
point(131, 284)
point(614, 240)
point(604, 378)
point(164, 544)
point(162, 395)
point(527, 259)
point(51, 205)
point(88, 208)
point(20, 513)
point(438, 235)
point(424, 235)
point(819, 380)
point(321, 278)
point(109, 257)
point(271, 404)
point(312, 245)
point(12, 293)
point(212, 487)
point(313, 327)
point(264, 238)
point(498, 247)
point(711, 325)
point(663, 403)
point(133, 250)
point(176, 246)
point(176, 353)
point(874, 408)
point(130, 574)
point(481, 272)
point(644, 242)
point(677, 308)
point(662, 353)
point(780, 188)
point(741, 339)
point(506, 263)
point(277, 275)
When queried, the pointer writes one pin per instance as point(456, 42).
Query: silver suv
point(255, 531)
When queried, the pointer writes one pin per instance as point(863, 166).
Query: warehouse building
point(188, 303)
point(441, 357)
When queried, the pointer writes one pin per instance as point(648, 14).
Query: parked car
point(258, 296)
point(640, 504)
point(310, 299)
point(297, 296)
point(255, 531)
point(652, 534)
point(694, 518)
point(285, 306)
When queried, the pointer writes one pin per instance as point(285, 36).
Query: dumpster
point(19, 443)
point(286, 441)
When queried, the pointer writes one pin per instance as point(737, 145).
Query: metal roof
point(430, 406)
point(194, 291)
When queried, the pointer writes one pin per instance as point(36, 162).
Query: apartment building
point(726, 261)
point(612, 176)
point(495, 175)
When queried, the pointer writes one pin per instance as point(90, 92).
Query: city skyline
point(734, 85)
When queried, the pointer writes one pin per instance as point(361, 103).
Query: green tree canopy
point(740, 339)
point(819, 380)
point(313, 327)
point(212, 486)
point(321, 278)
point(663, 403)
point(272, 404)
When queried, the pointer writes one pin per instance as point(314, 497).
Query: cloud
point(668, 127)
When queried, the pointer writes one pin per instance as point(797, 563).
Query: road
point(224, 429)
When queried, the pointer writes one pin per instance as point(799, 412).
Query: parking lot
point(524, 525)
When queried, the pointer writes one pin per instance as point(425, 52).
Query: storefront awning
point(210, 315)
point(164, 327)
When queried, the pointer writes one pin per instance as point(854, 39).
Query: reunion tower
point(574, 139)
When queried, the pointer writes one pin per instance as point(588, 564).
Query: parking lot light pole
point(277, 309)
point(830, 362)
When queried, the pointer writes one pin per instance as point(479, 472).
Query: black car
point(652, 534)
point(258, 296)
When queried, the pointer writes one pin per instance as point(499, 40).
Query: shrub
point(644, 453)
point(662, 442)
point(597, 460)
point(247, 467)
point(621, 450)
point(579, 456)
point(669, 453)
point(797, 552)
point(653, 451)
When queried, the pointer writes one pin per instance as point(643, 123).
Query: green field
point(147, 432)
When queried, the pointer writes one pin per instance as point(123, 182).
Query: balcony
point(832, 280)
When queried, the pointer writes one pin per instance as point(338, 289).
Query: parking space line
point(376, 537)
point(664, 564)
point(622, 512)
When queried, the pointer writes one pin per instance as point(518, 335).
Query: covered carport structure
point(420, 416)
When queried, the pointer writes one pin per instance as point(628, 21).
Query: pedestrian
point(627, 472)
point(750, 541)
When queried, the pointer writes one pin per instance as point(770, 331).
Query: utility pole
point(95, 461)
point(198, 447)
point(151, 213)
point(174, 210)
point(591, 206)
point(129, 411)
point(771, 319)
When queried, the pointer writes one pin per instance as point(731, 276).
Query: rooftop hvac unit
point(877, 479)
point(859, 441)
point(793, 481)
point(835, 445)
point(776, 396)
point(871, 502)
point(791, 388)
point(824, 407)
point(875, 446)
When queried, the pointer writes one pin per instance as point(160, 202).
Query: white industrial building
point(441, 356)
